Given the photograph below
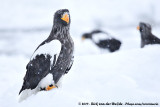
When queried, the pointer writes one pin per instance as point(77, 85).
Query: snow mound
point(124, 76)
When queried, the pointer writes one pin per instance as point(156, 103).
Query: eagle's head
point(62, 17)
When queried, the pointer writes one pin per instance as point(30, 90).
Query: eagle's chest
point(67, 49)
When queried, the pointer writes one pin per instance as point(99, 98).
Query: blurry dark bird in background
point(103, 40)
point(146, 35)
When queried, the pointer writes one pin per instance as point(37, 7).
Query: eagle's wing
point(44, 57)
point(156, 40)
point(70, 65)
point(97, 37)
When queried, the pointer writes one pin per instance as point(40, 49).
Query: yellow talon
point(50, 87)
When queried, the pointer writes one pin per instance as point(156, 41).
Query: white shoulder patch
point(52, 48)
point(100, 36)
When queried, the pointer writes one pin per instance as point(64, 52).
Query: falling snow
point(130, 75)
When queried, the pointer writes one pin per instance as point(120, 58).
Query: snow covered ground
point(130, 75)
point(126, 76)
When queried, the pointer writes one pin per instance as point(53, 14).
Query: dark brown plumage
point(146, 35)
point(103, 40)
point(52, 58)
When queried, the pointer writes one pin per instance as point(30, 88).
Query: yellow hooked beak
point(50, 87)
point(138, 27)
point(65, 17)
point(83, 38)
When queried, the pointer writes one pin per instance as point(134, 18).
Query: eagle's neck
point(60, 32)
point(145, 35)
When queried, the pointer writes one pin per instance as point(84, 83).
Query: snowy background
point(129, 75)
